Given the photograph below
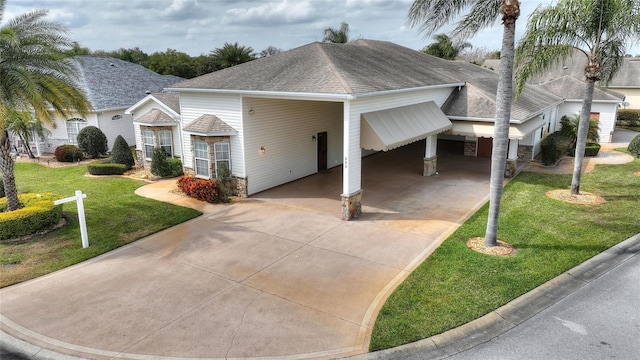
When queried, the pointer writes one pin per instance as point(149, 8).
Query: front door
point(322, 151)
point(485, 146)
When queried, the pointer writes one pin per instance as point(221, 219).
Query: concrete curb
point(515, 312)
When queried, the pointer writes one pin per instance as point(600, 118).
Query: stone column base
point(351, 207)
point(430, 166)
point(510, 169)
point(241, 186)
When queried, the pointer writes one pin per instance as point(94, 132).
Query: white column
point(37, 139)
point(352, 160)
point(431, 148)
point(513, 149)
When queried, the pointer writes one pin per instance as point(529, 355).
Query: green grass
point(115, 217)
point(456, 285)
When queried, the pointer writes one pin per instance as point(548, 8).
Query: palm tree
point(445, 48)
point(233, 54)
point(337, 36)
point(599, 29)
point(23, 125)
point(432, 15)
point(36, 76)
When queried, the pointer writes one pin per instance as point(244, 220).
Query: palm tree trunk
point(581, 141)
point(6, 167)
point(504, 98)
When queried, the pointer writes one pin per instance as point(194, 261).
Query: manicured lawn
point(455, 285)
point(115, 216)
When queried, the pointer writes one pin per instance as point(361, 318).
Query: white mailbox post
point(83, 223)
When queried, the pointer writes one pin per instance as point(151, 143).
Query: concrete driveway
point(276, 275)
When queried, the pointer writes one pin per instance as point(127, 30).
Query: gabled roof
point(362, 66)
point(569, 87)
point(112, 83)
point(478, 98)
point(155, 117)
point(171, 100)
point(209, 125)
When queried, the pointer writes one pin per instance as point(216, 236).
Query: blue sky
point(199, 26)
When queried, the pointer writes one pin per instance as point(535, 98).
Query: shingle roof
point(171, 99)
point(209, 124)
point(628, 75)
point(156, 117)
point(113, 83)
point(569, 87)
point(478, 97)
point(361, 66)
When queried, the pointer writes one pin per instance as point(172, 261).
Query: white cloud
point(273, 12)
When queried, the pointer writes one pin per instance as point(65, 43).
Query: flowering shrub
point(201, 189)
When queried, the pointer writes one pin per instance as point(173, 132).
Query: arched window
point(201, 155)
point(166, 142)
point(73, 128)
point(149, 141)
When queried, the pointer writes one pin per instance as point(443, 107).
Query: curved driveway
point(276, 275)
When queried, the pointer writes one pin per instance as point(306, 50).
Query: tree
point(445, 48)
point(172, 62)
point(432, 15)
point(92, 141)
point(36, 76)
point(569, 126)
point(23, 125)
point(337, 36)
point(121, 153)
point(269, 51)
point(233, 54)
point(599, 29)
point(134, 55)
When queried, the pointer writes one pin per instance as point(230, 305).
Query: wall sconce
point(251, 111)
point(262, 150)
point(313, 138)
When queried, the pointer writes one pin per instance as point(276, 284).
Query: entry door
point(485, 146)
point(322, 151)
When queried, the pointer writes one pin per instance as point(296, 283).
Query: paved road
point(599, 321)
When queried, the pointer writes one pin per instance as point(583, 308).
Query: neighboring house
point(111, 85)
point(627, 82)
point(280, 118)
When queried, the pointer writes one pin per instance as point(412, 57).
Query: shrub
point(159, 163)
point(38, 213)
point(591, 149)
point(106, 169)
point(551, 152)
point(634, 146)
point(92, 141)
point(121, 153)
point(176, 167)
point(2, 194)
point(68, 153)
point(628, 117)
point(569, 129)
point(201, 189)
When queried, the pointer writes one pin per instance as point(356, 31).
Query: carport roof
point(362, 66)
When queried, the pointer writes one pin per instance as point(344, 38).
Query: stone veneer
point(351, 206)
point(470, 148)
point(241, 185)
point(510, 169)
point(430, 166)
point(525, 153)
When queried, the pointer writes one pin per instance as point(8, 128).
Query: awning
point(388, 129)
point(484, 129)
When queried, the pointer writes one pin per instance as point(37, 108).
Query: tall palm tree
point(445, 48)
point(477, 14)
point(337, 36)
point(233, 54)
point(35, 76)
point(599, 29)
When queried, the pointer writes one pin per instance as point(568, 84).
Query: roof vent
point(112, 64)
point(147, 92)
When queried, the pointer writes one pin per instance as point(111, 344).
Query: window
point(149, 143)
point(116, 117)
point(201, 154)
point(222, 155)
point(165, 142)
point(73, 128)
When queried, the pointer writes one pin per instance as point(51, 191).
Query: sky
point(199, 26)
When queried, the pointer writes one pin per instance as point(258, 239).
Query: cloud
point(273, 12)
point(185, 10)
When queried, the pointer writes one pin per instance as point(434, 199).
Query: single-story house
point(112, 86)
point(280, 118)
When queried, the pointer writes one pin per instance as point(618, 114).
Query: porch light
point(262, 150)
point(313, 138)
point(251, 111)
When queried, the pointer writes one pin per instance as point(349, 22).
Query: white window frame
point(201, 164)
point(166, 143)
point(222, 154)
point(74, 126)
point(148, 143)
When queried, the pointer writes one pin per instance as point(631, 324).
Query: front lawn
point(455, 285)
point(115, 217)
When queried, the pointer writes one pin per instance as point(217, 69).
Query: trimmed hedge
point(92, 141)
point(628, 117)
point(634, 146)
point(106, 169)
point(592, 149)
point(201, 189)
point(164, 166)
point(551, 152)
point(68, 153)
point(38, 213)
point(121, 153)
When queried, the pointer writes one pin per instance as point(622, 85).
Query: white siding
point(608, 113)
point(226, 107)
point(59, 134)
point(285, 129)
point(113, 128)
point(382, 102)
point(145, 108)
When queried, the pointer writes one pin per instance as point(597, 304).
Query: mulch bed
point(636, 173)
point(502, 249)
point(584, 198)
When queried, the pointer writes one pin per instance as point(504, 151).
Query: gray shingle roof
point(569, 87)
point(171, 99)
point(156, 117)
point(209, 124)
point(628, 75)
point(113, 83)
point(478, 98)
point(361, 66)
